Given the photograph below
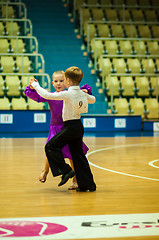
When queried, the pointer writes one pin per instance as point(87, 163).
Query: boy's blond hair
point(75, 74)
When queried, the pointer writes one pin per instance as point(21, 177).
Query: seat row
point(12, 46)
point(20, 104)
point(106, 65)
point(7, 11)
point(9, 64)
point(118, 30)
point(113, 47)
point(147, 109)
point(131, 86)
point(10, 28)
point(108, 14)
point(13, 86)
point(126, 3)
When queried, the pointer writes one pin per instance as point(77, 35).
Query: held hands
point(31, 81)
point(85, 90)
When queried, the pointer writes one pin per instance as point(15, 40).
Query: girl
point(56, 124)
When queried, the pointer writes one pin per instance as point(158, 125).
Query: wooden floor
point(126, 183)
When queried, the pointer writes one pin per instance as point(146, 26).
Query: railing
point(125, 56)
point(45, 81)
point(117, 21)
point(133, 75)
point(114, 6)
point(21, 8)
point(33, 43)
point(28, 28)
point(38, 65)
point(118, 39)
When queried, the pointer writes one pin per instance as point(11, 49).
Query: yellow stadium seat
point(4, 104)
point(112, 86)
point(111, 47)
point(127, 84)
point(124, 15)
point(103, 30)
point(144, 31)
point(89, 31)
point(23, 64)
point(32, 105)
point(18, 104)
point(131, 31)
point(25, 80)
point(142, 84)
point(97, 48)
point(7, 63)
point(4, 46)
point(155, 31)
point(1, 29)
point(144, 3)
point(148, 65)
point(137, 15)
point(78, 4)
point(131, 2)
point(104, 66)
point(125, 47)
point(93, 2)
point(155, 85)
point(117, 30)
point(111, 14)
point(153, 47)
point(12, 28)
point(85, 15)
point(98, 14)
point(150, 15)
point(17, 46)
point(152, 106)
point(13, 86)
point(121, 106)
point(8, 12)
point(119, 65)
point(134, 65)
point(1, 86)
point(157, 64)
point(137, 106)
point(139, 47)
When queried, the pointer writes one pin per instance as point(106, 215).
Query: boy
point(56, 123)
point(75, 103)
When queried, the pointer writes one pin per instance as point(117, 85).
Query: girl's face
point(58, 82)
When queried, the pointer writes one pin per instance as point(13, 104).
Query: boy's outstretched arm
point(45, 94)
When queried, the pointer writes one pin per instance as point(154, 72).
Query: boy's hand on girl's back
point(31, 81)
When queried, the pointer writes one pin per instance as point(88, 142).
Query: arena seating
point(122, 41)
point(18, 56)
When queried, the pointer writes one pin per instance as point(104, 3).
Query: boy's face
point(58, 82)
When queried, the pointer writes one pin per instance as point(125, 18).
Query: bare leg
point(45, 172)
point(74, 181)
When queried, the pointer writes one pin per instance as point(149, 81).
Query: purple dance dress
point(56, 124)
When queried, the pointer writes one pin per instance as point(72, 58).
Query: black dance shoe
point(65, 177)
point(91, 189)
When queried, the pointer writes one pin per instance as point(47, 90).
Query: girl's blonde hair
point(59, 72)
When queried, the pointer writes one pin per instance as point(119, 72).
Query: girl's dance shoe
point(43, 176)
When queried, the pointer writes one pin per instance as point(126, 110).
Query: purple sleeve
point(31, 93)
point(88, 88)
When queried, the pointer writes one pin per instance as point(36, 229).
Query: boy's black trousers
point(72, 134)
